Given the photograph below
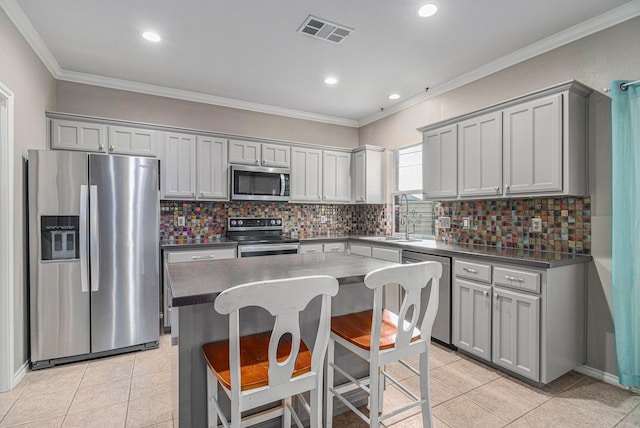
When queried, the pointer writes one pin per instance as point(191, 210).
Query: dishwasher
point(442, 325)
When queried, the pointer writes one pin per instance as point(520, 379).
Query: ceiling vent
point(325, 30)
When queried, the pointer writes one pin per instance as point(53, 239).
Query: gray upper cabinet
point(306, 174)
point(178, 166)
point(132, 141)
point(368, 176)
point(439, 160)
point(533, 146)
point(480, 156)
point(211, 168)
point(259, 154)
point(336, 176)
point(103, 138)
point(76, 135)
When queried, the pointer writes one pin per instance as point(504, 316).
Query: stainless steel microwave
point(254, 183)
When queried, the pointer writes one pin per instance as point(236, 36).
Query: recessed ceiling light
point(151, 36)
point(330, 80)
point(394, 96)
point(428, 10)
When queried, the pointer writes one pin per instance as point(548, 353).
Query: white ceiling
point(248, 53)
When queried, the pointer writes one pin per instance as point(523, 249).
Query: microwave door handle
point(94, 237)
point(84, 261)
point(282, 184)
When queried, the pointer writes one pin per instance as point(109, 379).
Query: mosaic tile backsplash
point(566, 223)
point(204, 221)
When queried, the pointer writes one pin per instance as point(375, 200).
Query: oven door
point(259, 184)
point(266, 249)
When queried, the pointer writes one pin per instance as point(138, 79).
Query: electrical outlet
point(180, 220)
point(445, 222)
point(323, 219)
point(536, 225)
point(466, 223)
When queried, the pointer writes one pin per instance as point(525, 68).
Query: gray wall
point(117, 104)
point(33, 88)
point(595, 60)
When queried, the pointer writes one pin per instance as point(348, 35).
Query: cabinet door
point(178, 167)
point(472, 318)
point(72, 135)
point(336, 176)
point(310, 248)
point(132, 141)
point(306, 174)
point(244, 152)
point(275, 155)
point(439, 160)
point(360, 176)
point(360, 250)
point(211, 168)
point(533, 146)
point(516, 332)
point(480, 156)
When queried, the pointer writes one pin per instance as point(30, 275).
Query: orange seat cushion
point(356, 329)
point(254, 359)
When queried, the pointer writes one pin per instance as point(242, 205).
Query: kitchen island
point(195, 285)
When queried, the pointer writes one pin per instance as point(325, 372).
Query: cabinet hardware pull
point(486, 293)
point(110, 148)
point(513, 278)
point(257, 162)
point(469, 270)
point(497, 189)
point(210, 256)
point(496, 295)
point(312, 250)
point(507, 188)
point(100, 147)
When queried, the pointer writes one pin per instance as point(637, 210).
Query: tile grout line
point(628, 413)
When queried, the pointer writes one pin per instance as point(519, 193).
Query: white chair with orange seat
point(263, 368)
point(375, 337)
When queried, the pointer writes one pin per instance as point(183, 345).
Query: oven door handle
point(266, 247)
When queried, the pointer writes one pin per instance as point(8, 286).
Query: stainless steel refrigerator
point(94, 262)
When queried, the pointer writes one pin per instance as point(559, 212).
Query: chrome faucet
point(406, 214)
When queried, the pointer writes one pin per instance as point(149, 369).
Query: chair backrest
point(412, 278)
point(284, 299)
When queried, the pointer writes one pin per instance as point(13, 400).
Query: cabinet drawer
point(388, 254)
point(517, 279)
point(199, 255)
point(360, 250)
point(310, 248)
point(334, 247)
point(475, 271)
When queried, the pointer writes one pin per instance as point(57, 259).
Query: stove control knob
point(233, 222)
point(239, 222)
point(273, 222)
point(279, 222)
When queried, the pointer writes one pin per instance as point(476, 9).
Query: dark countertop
point(200, 282)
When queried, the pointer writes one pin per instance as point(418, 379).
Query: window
point(408, 180)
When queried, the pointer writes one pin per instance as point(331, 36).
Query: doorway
point(6, 238)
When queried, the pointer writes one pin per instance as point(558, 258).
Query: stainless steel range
point(260, 236)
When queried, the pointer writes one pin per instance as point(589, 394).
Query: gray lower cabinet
point(527, 321)
point(516, 332)
point(472, 317)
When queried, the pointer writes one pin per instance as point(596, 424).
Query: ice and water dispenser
point(60, 237)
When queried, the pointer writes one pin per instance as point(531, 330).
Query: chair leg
point(286, 418)
point(212, 394)
point(382, 380)
point(425, 393)
point(236, 418)
point(374, 391)
point(316, 405)
point(328, 420)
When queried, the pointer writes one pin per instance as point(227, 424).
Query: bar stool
point(375, 337)
point(259, 369)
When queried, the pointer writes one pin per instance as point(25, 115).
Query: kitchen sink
point(398, 239)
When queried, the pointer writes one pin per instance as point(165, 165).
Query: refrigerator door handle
point(84, 261)
point(94, 237)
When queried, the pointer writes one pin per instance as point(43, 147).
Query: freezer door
point(59, 298)
point(124, 247)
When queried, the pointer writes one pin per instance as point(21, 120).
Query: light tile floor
point(134, 390)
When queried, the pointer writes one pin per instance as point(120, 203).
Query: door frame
point(6, 238)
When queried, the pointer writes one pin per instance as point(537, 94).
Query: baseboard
point(600, 375)
point(18, 375)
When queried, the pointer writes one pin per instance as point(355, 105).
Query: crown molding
point(162, 91)
point(20, 20)
point(578, 31)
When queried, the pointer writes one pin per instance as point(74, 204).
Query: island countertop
point(200, 282)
